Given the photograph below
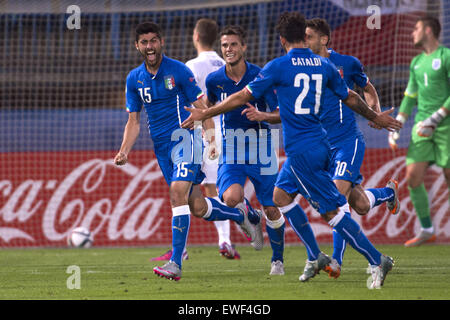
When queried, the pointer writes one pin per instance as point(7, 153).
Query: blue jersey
point(163, 95)
point(338, 119)
point(299, 79)
point(219, 86)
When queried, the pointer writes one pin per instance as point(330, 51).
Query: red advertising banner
point(44, 195)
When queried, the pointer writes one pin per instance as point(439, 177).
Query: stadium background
point(62, 114)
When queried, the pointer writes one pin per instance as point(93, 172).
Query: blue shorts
point(346, 160)
point(229, 174)
point(308, 174)
point(174, 166)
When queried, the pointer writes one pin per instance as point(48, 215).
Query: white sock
point(275, 224)
point(371, 198)
point(287, 208)
point(223, 231)
point(428, 230)
point(181, 210)
point(208, 212)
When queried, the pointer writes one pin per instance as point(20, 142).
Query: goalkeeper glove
point(426, 128)
point(395, 135)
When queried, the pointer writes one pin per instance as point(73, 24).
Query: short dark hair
point(147, 27)
point(320, 25)
point(235, 30)
point(291, 26)
point(433, 23)
point(207, 30)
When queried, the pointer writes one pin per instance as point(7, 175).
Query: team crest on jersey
point(436, 64)
point(169, 82)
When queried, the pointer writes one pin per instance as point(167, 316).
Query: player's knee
point(177, 198)
point(279, 202)
point(361, 207)
point(328, 216)
point(281, 198)
point(413, 182)
point(414, 178)
point(272, 213)
point(232, 201)
point(197, 211)
point(233, 195)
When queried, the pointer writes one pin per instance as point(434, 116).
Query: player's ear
point(136, 45)
point(283, 42)
point(195, 35)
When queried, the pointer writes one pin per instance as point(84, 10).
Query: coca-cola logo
point(130, 203)
point(132, 215)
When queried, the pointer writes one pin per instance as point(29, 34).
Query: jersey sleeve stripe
point(200, 95)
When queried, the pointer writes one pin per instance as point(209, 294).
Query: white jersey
point(201, 67)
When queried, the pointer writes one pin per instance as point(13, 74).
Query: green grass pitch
point(126, 273)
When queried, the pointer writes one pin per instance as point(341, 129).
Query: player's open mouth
point(151, 55)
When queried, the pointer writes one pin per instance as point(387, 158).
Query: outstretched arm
point(382, 119)
point(253, 114)
point(372, 99)
point(232, 102)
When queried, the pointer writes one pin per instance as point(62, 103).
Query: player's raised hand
point(385, 121)
point(120, 159)
point(252, 113)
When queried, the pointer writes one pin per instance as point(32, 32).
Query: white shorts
point(209, 168)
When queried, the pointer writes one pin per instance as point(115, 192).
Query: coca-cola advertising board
point(43, 195)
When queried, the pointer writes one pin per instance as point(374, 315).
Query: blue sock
point(276, 238)
point(299, 222)
point(350, 230)
point(221, 212)
point(382, 195)
point(180, 231)
point(339, 245)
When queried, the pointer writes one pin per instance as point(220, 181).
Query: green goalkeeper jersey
point(429, 84)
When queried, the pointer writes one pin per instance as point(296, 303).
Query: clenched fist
point(120, 159)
